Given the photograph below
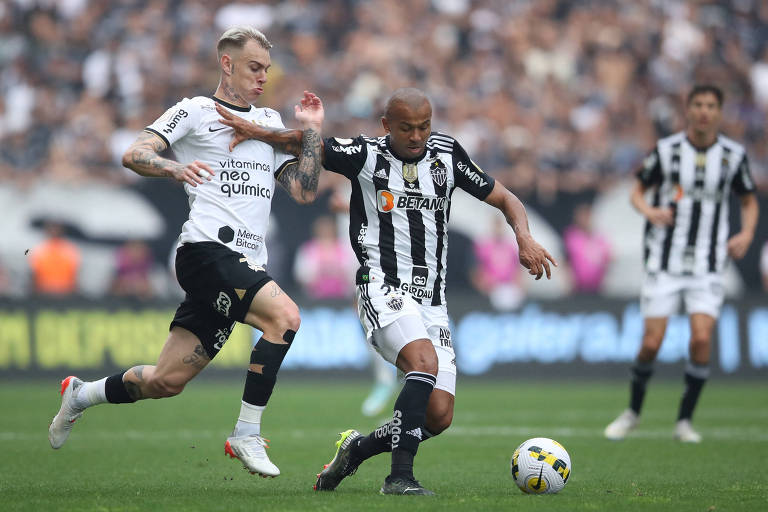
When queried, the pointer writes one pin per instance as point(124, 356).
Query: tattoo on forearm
point(133, 389)
point(305, 173)
point(145, 158)
point(198, 359)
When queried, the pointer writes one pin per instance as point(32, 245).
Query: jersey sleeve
point(176, 122)
point(345, 156)
point(742, 181)
point(469, 177)
point(649, 172)
point(282, 160)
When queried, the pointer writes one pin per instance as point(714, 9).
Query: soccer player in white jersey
point(399, 207)
point(222, 255)
point(692, 174)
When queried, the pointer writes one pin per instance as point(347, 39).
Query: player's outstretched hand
point(661, 216)
point(535, 258)
point(243, 129)
point(310, 112)
point(193, 173)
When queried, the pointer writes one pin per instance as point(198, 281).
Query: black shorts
point(220, 285)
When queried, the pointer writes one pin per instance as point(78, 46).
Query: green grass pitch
point(168, 454)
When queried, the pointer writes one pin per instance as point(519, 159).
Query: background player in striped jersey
point(399, 207)
point(692, 174)
point(222, 255)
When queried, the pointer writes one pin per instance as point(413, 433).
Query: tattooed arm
point(299, 179)
point(143, 157)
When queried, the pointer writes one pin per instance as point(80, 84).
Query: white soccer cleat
point(684, 432)
point(62, 423)
point(621, 426)
point(251, 450)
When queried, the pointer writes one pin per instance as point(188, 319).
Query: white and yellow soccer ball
point(541, 466)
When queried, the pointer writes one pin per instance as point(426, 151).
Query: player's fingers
point(205, 167)
point(545, 264)
point(550, 258)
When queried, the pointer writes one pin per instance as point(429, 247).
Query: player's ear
point(385, 124)
point(226, 64)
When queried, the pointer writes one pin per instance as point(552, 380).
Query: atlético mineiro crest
point(439, 172)
point(395, 303)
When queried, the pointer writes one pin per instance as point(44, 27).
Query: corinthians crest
point(410, 172)
point(438, 171)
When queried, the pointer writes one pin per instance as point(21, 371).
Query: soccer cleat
point(378, 399)
point(342, 465)
point(622, 425)
point(684, 432)
point(404, 486)
point(62, 423)
point(251, 450)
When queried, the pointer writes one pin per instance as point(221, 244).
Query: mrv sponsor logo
point(473, 175)
point(173, 122)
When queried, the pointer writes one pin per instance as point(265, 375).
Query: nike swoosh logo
point(538, 483)
point(210, 129)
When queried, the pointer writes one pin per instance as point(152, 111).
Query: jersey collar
point(231, 106)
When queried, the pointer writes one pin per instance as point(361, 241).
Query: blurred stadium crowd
point(558, 99)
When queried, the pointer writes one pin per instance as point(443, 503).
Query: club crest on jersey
point(223, 303)
point(395, 303)
point(410, 172)
point(439, 172)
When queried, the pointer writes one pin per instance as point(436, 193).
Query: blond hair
point(236, 37)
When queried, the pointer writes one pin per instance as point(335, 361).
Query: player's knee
point(282, 319)
point(439, 421)
point(699, 341)
point(425, 363)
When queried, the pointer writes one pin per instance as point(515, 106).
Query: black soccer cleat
point(404, 486)
point(342, 465)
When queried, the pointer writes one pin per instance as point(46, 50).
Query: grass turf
point(168, 454)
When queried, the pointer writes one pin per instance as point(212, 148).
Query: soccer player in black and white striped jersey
point(399, 207)
point(692, 175)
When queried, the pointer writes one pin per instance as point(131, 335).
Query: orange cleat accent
point(65, 384)
point(228, 451)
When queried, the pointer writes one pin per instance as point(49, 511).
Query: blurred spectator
point(55, 263)
point(132, 270)
point(497, 267)
point(764, 266)
point(588, 253)
point(325, 265)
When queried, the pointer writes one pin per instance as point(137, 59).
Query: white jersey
point(232, 209)
point(696, 183)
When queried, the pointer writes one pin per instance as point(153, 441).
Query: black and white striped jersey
point(696, 184)
point(399, 209)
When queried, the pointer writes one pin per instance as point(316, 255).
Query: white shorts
point(660, 294)
point(392, 319)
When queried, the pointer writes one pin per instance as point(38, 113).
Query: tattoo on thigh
point(139, 371)
point(198, 359)
point(275, 290)
point(133, 389)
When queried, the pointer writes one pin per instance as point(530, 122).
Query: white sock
point(249, 421)
point(91, 393)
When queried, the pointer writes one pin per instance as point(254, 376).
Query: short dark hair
point(706, 89)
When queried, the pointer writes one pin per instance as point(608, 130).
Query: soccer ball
point(541, 466)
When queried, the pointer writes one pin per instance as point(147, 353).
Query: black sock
point(641, 372)
point(407, 421)
point(115, 390)
point(695, 377)
point(267, 357)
